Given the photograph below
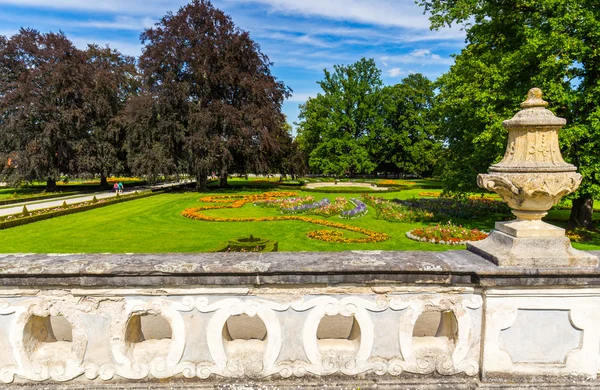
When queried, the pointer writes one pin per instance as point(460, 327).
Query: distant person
point(116, 188)
point(120, 188)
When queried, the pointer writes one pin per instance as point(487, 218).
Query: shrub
point(248, 244)
point(457, 208)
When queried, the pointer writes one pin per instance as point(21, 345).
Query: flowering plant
point(358, 211)
point(395, 212)
point(447, 234)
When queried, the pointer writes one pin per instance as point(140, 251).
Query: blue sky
point(301, 37)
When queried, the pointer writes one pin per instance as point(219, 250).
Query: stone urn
point(532, 177)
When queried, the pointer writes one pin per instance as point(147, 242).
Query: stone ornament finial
point(532, 177)
point(534, 99)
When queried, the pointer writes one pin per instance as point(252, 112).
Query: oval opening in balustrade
point(47, 339)
point(148, 336)
point(244, 335)
point(338, 333)
point(435, 330)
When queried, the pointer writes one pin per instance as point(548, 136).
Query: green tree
point(408, 142)
point(511, 47)
point(335, 127)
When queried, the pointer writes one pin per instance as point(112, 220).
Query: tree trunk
point(201, 183)
point(103, 181)
point(581, 213)
point(223, 179)
point(50, 185)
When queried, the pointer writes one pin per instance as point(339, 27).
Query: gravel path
point(16, 208)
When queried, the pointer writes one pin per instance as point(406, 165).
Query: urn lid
point(534, 113)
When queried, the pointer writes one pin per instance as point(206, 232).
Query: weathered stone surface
point(532, 177)
point(370, 268)
point(538, 252)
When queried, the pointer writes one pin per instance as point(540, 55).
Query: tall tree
point(43, 83)
point(408, 142)
point(335, 126)
point(114, 80)
point(210, 99)
point(511, 47)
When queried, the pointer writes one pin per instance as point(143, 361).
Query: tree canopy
point(357, 126)
point(43, 83)
point(512, 47)
point(209, 101)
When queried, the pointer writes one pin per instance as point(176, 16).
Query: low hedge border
point(36, 198)
point(359, 190)
point(60, 212)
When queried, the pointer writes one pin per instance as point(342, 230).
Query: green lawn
point(154, 224)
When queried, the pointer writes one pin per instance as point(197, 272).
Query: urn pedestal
point(532, 177)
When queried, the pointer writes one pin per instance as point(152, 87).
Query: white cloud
point(301, 97)
point(120, 23)
point(384, 60)
point(399, 13)
point(395, 72)
point(422, 57)
point(131, 7)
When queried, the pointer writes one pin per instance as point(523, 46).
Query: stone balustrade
point(283, 320)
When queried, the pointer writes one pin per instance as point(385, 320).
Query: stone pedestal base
point(530, 244)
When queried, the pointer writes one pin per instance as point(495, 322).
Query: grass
point(155, 224)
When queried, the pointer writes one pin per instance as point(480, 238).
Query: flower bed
point(456, 208)
point(305, 205)
point(302, 205)
point(236, 201)
point(358, 211)
point(446, 234)
point(395, 212)
point(394, 183)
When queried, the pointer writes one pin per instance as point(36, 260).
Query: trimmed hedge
point(59, 211)
point(358, 190)
point(36, 198)
point(248, 244)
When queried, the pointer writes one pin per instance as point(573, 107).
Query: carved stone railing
point(351, 319)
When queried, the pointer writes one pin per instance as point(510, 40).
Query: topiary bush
point(248, 244)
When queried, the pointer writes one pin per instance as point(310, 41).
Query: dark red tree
point(114, 80)
point(43, 84)
point(210, 101)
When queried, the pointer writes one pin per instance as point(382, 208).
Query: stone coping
point(297, 268)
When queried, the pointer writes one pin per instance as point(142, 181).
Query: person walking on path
point(120, 188)
point(116, 188)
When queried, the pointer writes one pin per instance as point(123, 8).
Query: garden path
point(17, 208)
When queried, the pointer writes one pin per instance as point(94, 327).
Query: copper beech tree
point(60, 108)
point(209, 102)
point(43, 82)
